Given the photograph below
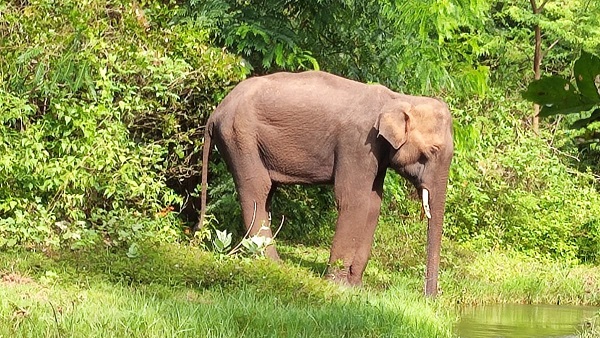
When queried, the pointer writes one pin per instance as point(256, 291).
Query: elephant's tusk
point(426, 203)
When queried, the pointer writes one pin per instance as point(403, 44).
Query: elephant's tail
point(205, 153)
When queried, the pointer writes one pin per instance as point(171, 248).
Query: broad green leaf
point(133, 251)
point(566, 107)
point(556, 96)
point(549, 90)
point(586, 70)
point(585, 122)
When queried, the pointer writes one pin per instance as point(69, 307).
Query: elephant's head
point(419, 131)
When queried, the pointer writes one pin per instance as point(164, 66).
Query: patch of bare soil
point(15, 279)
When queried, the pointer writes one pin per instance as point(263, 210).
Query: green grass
point(508, 277)
point(591, 328)
point(101, 309)
point(178, 291)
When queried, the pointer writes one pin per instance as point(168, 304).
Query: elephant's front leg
point(365, 240)
point(347, 259)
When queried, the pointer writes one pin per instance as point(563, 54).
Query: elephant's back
point(298, 100)
point(314, 95)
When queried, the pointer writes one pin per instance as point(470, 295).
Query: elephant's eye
point(430, 151)
point(434, 149)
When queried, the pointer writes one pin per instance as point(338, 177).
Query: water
point(518, 320)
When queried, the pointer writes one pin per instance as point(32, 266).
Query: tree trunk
point(537, 60)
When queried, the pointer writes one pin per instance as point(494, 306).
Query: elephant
point(318, 128)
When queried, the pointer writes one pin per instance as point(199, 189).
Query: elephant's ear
point(392, 123)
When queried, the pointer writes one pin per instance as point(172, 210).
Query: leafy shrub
point(516, 190)
point(101, 105)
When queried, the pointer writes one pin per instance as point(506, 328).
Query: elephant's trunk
point(436, 198)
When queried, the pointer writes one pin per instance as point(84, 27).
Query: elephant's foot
point(343, 276)
point(272, 254)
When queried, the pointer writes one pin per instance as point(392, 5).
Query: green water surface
point(520, 320)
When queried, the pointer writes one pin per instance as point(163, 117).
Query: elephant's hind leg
point(252, 180)
point(255, 188)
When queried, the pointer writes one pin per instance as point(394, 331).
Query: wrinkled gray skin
point(316, 128)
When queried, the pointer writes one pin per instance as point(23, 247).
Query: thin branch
point(555, 128)
point(280, 225)
point(548, 49)
point(552, 45)
point(533, 6)
point(564, 154)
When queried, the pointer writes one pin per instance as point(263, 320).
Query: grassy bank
point(170, 291)
point(178, 290)
point(508, 277)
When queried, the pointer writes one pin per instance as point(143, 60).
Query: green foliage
point(222, 243)
point(422, 47)
point(400, 239)
point(578, 101)
point(436, 45)
point(588, 242)
point(574, 23)
point(558, 95)
point(262, 31)
point(99, 107)
point(515, 190)
point(309, 214)
point(566, 26)
point(497, 276)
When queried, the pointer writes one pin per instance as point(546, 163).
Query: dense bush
point(514, 189)
point(101, 106)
